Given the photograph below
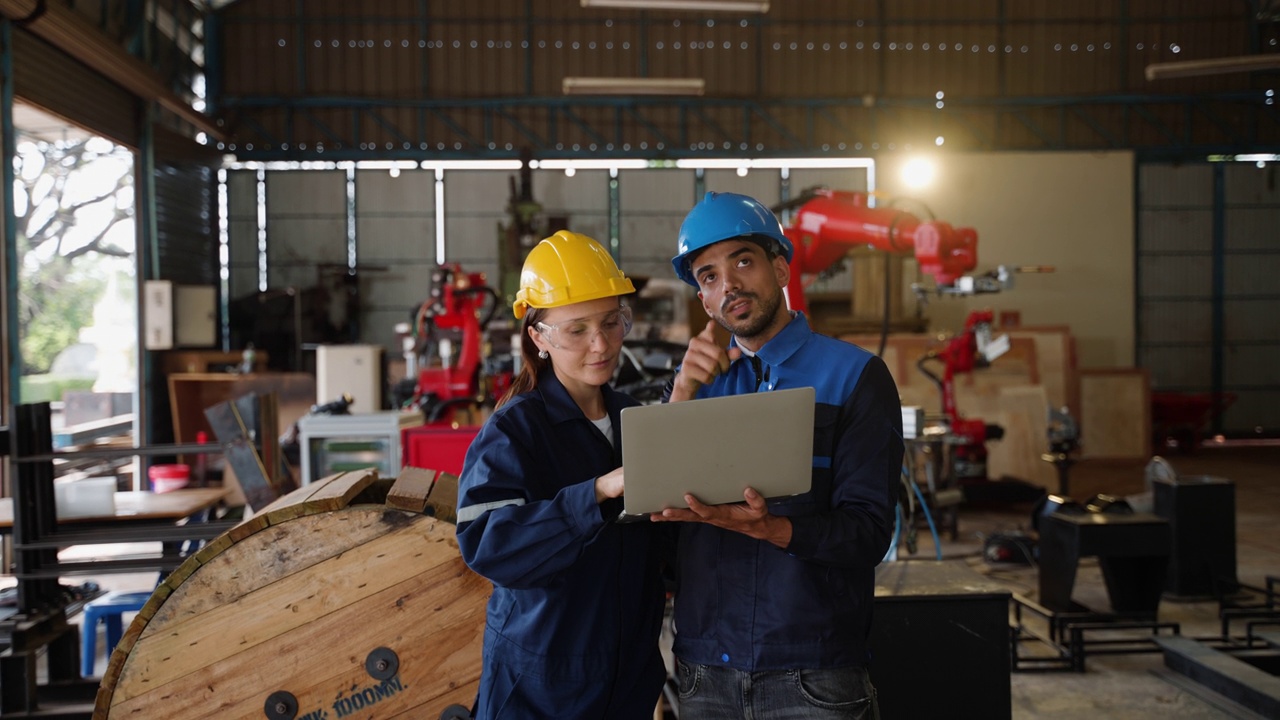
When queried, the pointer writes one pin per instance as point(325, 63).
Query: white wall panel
point(1174, 366)
point(833, 178)
point(306, 225)
point(586, 193)
point(306, 193)
point(763, 185)
point(395, 249)
point(1074, 211)
point(242, 232)
point(1168, 186)
point(1166, 276)
point(653, 203)
point(1252, 228)
point(1246, 183)
point(1177, 323)
point(1251, 311)
point(412, 192)
point(1162, 230)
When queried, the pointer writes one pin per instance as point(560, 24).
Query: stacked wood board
point(1015, 392)
point(1115, 414)
point(346, 598)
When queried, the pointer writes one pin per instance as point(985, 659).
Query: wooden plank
point(1115, 414)
point(257, 561)
point(871, 271)
point(433, 621)
point(974, 390)
point(411, 489)
point(290, 603)
point(1056, 362)
point(339, 491)
point(1023, 413)
point(443, 500)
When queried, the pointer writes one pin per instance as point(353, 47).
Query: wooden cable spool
point(343, 599)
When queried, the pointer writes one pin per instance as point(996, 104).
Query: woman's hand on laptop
point(609, 485)
point(703, 361)
point(751, 518)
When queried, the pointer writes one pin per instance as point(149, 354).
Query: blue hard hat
point(723, 216)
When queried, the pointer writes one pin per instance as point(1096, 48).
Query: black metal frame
point(1073, 636)
point(39, 621)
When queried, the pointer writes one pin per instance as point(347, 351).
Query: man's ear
point(781, 270)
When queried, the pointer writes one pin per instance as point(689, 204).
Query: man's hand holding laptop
point(750, 518)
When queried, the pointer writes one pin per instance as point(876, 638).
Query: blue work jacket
point(748, 604)
point(577, 604)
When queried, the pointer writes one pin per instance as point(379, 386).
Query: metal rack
point(39, 619)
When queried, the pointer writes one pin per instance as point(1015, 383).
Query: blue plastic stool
point(108, 609)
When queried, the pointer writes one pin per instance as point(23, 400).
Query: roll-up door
point(47, 77)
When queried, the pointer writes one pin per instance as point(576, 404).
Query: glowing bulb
point(742, 172)
point(570, 172)
point(918, 173)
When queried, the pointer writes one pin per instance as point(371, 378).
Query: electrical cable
point(897, 530)
point(928, 516)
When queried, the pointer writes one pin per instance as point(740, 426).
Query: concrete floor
point(1134, 686)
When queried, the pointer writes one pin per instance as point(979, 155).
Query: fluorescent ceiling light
point(850, 162)
point(471, 164)
point(619, 164)
point(774, 163)
point(633, 86)
point(712, 5)
point(1216, 66)
point(386, 165)
point(711, 163)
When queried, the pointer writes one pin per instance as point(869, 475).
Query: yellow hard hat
point(568, 268)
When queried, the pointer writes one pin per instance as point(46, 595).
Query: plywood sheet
point(1023, 412)
point(1055, 362)
point(1018, 367)
point(1115, 414)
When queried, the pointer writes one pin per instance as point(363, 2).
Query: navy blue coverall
point(577, 604)
point(749, 605)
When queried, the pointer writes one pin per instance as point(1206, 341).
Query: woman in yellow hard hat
point(577, 604)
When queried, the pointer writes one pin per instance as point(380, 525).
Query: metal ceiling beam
point(67, 31)
point(1038, 123)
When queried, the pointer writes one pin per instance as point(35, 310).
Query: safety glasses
point(577, 334)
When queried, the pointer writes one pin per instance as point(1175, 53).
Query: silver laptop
point(716, 448)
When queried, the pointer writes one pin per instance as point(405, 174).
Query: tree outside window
point(74, 205)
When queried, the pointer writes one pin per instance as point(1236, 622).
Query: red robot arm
point(830, 224)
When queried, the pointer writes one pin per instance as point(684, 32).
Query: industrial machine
point(974, 347)
point(527, 225)
point(827, 224)
point(454, 309)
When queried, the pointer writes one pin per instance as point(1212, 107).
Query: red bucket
point(165, 478)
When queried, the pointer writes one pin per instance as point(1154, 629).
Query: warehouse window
point(77, 290)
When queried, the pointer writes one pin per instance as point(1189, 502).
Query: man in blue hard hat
point(773, 608)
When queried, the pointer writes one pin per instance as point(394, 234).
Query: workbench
point(940, 641)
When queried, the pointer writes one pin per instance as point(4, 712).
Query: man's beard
point(755, 323)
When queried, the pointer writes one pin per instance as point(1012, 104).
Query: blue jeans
point(716, 693)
